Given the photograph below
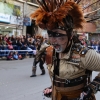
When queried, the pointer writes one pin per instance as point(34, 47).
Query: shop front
point(10, 25)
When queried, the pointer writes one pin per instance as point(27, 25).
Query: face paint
point(59, 48)
point(58, 40)
point(56, 34)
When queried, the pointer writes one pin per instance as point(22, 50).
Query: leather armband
point(92, 88)
point(95, 85)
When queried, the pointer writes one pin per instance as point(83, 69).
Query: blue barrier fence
point(4, 50)
point(5, 53)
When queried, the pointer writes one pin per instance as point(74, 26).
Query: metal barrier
point(4, 53)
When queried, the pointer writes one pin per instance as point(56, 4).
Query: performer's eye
point(57, 34)
point(50, 35)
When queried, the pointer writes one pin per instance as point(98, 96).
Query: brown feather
point(50, 19)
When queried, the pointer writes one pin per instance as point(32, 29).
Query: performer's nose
point(54, 40)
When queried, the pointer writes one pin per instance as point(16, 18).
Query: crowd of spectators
point(17, 47)
point(22, 44)
point(14, 56)
point(95, 44)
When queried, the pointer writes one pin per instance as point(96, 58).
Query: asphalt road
point(16, 84)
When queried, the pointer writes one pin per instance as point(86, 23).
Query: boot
point(33, 72)
point(33, 75)
point(43, 72)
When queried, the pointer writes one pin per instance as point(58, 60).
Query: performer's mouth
point(56, 46)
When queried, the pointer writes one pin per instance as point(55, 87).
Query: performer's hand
point(47, 92)
point(86, 94)
point(82, 96)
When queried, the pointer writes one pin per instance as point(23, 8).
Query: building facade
point(91, 9)
point(13, 17)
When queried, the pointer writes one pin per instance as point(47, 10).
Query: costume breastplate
point(69, 66)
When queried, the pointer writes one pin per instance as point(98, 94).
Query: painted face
point(58, 38)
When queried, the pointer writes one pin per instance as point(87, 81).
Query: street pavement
point(16, 84)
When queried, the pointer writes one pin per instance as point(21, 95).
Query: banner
point(4, 18)
point(27, 21)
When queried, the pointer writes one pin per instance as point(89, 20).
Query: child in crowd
point(16, 56)
point(10, 56)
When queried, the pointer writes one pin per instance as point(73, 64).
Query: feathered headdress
point(58, 14)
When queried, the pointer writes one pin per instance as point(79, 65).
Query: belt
point(69, 82)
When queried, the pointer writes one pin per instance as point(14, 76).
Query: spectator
point(10, 56)
point(15, 55)
point(9, 42)
point(18, 43)
point(24, 53)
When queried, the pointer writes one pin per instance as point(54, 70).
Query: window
point(33, 1)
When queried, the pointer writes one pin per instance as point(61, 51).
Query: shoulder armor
point(83, 51)
point(79, 49)
point(90, 47)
